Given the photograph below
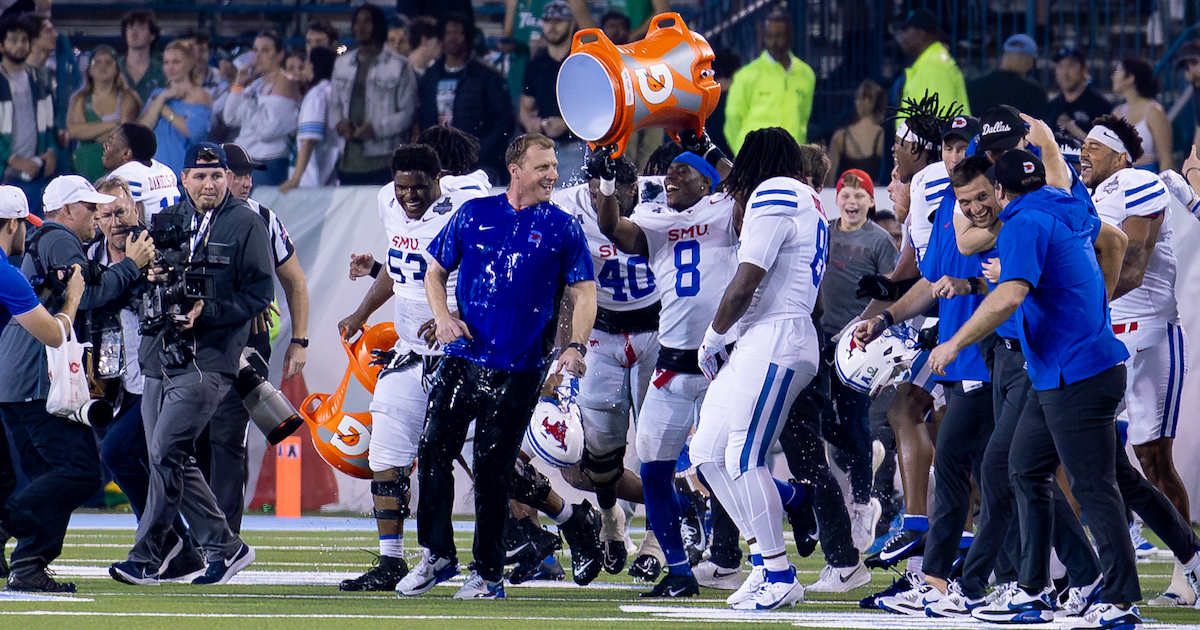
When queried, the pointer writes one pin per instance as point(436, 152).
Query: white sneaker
point(1142, 547)
point(952, 605)
point(911, 602)
point(863, 519)
point(1016, 605)
point(773, 595)
point(835, 580)
point(1106, 616)
point(478, 588)
point(713, 575)
point(1079, 598)
point(998, 592)
point(429, 572)
point(749, 588)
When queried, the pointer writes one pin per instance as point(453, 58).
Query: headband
point(702, 167)
point(1108, 138)
point(907, 135)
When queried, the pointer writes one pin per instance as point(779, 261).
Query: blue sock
point(756, 559)
point(787, 575)
point(916, 522)
point(791, 494)
point(664, 510)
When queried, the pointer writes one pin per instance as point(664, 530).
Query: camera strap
point(200, 235)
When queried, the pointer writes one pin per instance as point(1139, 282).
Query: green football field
point(292, 586)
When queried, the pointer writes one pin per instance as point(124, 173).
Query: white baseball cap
point(67, 189)
point(14, 205)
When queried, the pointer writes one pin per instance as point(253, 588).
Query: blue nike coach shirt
point(1064, 325)
point(512, 267)
point(942, 258)
point(16, 295)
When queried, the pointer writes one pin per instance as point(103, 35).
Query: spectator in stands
point(539, 98)
point(1188, 60)
point(775, 90)
point(397, 36)
point(320, 34)
point(143, 69)
point(207, 75)
point(638, 12)
point(725, 65)
point(460, 91)
point(1134, 80)
point(1008, 84)
point(617, 26)
point(523, 36)
point(181, 113)
point(425, 41)
point(1077, 103)
point(933, 69)
point(859, 145)
point(293, 66)
point(57, 69)
point(27, 144)
point(316, 141)
point(375, 102)
point(102, 105)
point(265, 103)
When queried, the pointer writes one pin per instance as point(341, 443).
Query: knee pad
point(529, 486)
point(392, 488)
point(604, 470)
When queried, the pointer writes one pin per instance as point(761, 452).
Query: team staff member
point(1051, 279)
point(69, 473)
point(515, 254)
point(230, 242)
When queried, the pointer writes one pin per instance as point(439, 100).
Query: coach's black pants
point(1074, 424)
point(962, 438)
point(805, 452)
point(997, 540)
point(501, 404)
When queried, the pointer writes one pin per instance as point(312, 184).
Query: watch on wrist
point(579, 347)
point(300, 341)
point(973, 283)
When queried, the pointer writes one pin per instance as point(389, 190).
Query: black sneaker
point(907, 543)
point(691, 527)
point(135, 573)
point(384, 576)
point(188, 565)
point(31, 577)
point(221, 571)
point(675, 585)
point(613, 555)
point(803, 522)
point(645, 567)
point(582, 532)
point(546, 569)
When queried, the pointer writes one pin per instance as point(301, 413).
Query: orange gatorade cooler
point(606, 92)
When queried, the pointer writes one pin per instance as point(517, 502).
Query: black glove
point(601, 164)
point(382, 357)
point(877, 287)
point(927, 339)
point(693, 143)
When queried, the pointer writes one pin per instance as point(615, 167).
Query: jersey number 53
point(399, 259)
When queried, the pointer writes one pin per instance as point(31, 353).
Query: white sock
point(777, 563)
point(565, 515)
point(764, 511)
point(1179, 584)
point(392, 547)
point(1192, 564)
point(1057, 569)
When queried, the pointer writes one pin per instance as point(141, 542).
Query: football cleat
point(749, 588)
point(613, 552)
point(840, 580)
point(675, 585)
point(582, 532)
point(384, 576)
point(905, 582)
point(645, 567)
point(548, 569)
point(774, 595)
point(713, 575)
point(907, 543)
point(804, 523)
point(691, 528)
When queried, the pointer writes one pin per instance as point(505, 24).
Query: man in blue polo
point(517, 255)
point(1051, 279)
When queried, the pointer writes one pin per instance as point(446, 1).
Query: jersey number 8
point(818, 262)
point(687, 278)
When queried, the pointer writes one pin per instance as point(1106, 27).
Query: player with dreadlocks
point(781, 257)
point(458, 152)
point(917, 153)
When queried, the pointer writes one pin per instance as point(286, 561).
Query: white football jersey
point(408, 258)
point(785, 232)
point(623, 282)
point(1132, 192)
point(476, 182)
point(693, 255)
point(925, 191)
point(155, 186)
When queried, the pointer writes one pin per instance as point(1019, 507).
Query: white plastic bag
point(68, 379)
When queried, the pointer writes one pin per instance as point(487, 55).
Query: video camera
point(167, 300)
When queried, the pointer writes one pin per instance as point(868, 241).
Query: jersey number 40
point(610, 277)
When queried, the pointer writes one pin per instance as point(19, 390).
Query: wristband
point(375, 269)
point(714, 155)
point(608, 187)
point(974, 284)
point(1196, 207)
point(888, 319)
point(579, 347)
point(300, 341)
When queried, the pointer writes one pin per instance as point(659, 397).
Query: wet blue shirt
point(16, 294)
point(942, 258)
point(1064, 326)
point(512, 268)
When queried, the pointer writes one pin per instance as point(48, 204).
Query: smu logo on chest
point(687, 233)
point(405, 242)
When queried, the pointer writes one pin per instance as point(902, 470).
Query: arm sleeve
point(398, 122)
point(233, 108)
point(762, 236)
point(577, 260)
point(254, 283)
point(1022, 246)
point(312, 118)
point(445, 247)
point(281, 244)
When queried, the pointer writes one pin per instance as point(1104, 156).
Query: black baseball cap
point(1001, 129)
point(193, 156)
point(1020, 171)
point(1074, 53)
point(923, 19)
point(1188, 52)
point(965, 127)
point(239, 161)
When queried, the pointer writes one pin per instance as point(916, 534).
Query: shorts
point(669, 412)
point(397, 418)
point(619, 368)
point(1157, 364)
point(750, 399)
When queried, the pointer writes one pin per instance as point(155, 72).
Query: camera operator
point(115, 340)
point(58, 455)
point(190, 363)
